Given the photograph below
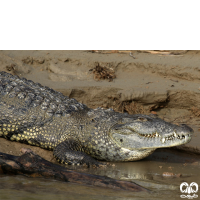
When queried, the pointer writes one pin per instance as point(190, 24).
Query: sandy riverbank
point(165, 83)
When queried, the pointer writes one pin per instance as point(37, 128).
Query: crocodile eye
point(142, 119)
point(121, 140)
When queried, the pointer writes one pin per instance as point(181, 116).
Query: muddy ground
point(166, 83)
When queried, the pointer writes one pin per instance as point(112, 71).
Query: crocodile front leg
point(71, 152)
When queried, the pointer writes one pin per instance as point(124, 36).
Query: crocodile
point(40, 116)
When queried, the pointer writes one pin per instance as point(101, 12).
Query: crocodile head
point(139, 132)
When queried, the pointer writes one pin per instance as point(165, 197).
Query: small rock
point(168, 174)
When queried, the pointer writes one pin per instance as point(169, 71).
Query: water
point(147, 172)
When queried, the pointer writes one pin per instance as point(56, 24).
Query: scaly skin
point(40, 116)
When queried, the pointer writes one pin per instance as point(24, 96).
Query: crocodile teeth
point(157, 134)
point(163, 140)
point(175, 134)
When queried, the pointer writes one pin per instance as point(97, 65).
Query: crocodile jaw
point(160, 134)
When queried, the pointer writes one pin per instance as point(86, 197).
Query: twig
point(162, 53)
